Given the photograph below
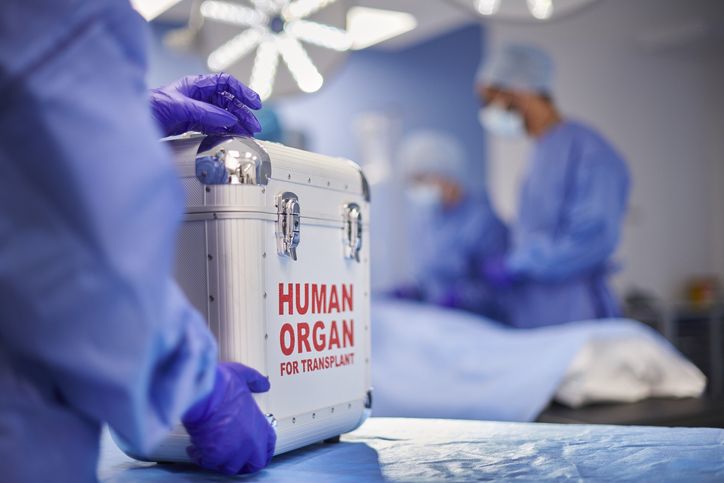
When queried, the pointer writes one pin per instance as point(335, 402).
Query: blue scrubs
point(572, 205)
point(448, 246)
point(93, 328)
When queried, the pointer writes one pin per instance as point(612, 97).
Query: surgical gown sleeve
point(588, 231)
point(89, 209)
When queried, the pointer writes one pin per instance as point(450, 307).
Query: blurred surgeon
point(571, 204)
point(93, 328)
point(451, 227)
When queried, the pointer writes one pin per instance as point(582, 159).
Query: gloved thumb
point(255, 381)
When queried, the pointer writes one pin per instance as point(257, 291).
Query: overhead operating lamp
point(150, 9)
point(274, 30)
point(522, 10)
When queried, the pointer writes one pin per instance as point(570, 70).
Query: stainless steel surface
point(272, 420)
point(352, 231)
point(365, 186)
point(247, 162)
point(288, 224)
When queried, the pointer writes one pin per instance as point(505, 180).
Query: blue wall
point(428, 86)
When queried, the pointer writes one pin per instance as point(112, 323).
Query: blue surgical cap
point(426, 152)
point(519, 68)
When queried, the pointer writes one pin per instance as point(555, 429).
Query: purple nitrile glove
point(229, 433)
point(210, 103)
point(496, 273)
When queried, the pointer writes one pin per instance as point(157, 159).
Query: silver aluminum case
point(229, 267)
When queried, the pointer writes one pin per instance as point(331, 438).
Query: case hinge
point(288, 221)
point(352, 231)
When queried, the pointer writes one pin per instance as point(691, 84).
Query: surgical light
point(265, 69)
point(234, 49)
point(150, 9)
point(369, 26)
point(304, 8)
point(276, 29)
point(487, 7)
point(300, 65)
point(541, 9)
point(231, 13)
point(319, 34)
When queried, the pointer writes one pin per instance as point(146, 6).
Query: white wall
point(662, 108)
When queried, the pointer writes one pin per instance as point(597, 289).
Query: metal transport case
point(277, 261)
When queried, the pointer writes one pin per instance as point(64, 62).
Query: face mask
point(425, 196)
point(501, 122)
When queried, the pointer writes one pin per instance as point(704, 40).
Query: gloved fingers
point(246, 118)
point(240, 130)
point(238, 457)
point(216, 460)
point(247, 124)
point(259, 384)
point(243, 93)
point(262, 456)
point(254, 380)
point(208, 119)
point(197, 456)
point(271, 444)
point(206, 88)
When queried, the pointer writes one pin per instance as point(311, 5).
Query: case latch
point(287, 229)
point(352, 231)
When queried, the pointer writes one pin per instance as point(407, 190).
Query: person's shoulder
point(596, 153)
point(581, 130)
point(590, 140)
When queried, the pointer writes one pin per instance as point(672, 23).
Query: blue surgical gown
point(447, 246)
point(572, 205)
point(92, 327)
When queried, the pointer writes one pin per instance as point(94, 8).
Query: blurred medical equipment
point(214, 104)
point(228, 433)
point(277, 260)
point(484, 370)
point(451, 229)
point(404, 450)
point(703, 291)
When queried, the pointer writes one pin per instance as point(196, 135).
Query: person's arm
point(90, 206)
point(591, 228)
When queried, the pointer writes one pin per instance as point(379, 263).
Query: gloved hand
point(228, 432)
point(495, 271)
point(211, 104)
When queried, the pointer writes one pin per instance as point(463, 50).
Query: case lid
point(250, 161)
